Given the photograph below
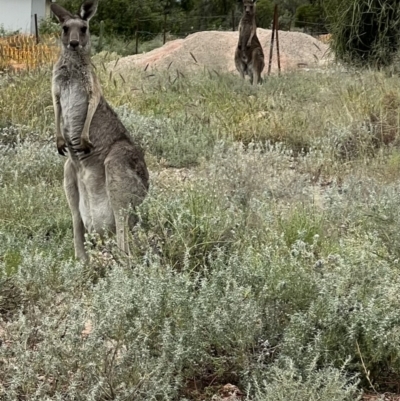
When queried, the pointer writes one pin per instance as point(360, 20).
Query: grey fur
point(249, 56)
point(103, 176)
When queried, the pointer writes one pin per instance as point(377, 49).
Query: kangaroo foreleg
point(61, 146)
point(94, 100)
point(252, 33)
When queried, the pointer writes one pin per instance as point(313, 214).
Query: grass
point(23, 52)
point(266, 255)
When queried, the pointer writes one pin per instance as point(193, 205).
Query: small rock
point(228, 392)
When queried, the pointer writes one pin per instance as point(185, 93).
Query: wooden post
point(36, 30)
point(137, 37)
point(277, 39)
point(101, 37)
point(165, 27)
point(271, 49)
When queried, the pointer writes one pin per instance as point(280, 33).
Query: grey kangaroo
point(105, 173)
point(249, 56)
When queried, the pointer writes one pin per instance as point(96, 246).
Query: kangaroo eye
point(84, 29)
point(65, 29)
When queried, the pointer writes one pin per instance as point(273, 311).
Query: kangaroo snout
point(73, 44)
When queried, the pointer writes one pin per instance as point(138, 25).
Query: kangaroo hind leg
point(126, 184)
point(72, 194)
point(258, 66)
point(240, 66)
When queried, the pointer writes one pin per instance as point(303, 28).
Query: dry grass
point(20, 52)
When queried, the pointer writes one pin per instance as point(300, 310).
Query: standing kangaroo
point(249, 56)
point(105, 173)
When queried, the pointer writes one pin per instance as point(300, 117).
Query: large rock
point(216, 49)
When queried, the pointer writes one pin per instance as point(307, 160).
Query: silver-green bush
point(266, 260)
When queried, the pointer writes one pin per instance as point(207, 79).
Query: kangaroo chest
point(74, 104)
point(72, 86)
point(247, 26)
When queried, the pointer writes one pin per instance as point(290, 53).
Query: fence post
point(101, 36)
point(165, 27)
point(36, 30)
point(233, 19)
point(277, 39)
point(137, 37)
point(271, 49)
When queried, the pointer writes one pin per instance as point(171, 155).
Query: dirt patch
point(216, 49)
point(381, 397)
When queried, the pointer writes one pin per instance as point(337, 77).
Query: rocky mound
point(216, 49)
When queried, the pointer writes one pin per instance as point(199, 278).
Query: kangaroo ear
point(60, 12)
point(88, 9)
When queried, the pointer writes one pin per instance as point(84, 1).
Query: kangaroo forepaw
point(86, 145)
point(61, 146)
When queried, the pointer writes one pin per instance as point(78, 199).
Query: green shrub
point(178, 142)
point(4, 32)
point(302, 225)
point(311, 17)
point(285, 382)
point(49, 27)
point(265, 14)
point(361, 33)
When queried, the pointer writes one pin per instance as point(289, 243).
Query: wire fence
point(182, 26)
point(30, 51)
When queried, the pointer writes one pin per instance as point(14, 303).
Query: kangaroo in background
point(249, 56)
point(105, 173)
